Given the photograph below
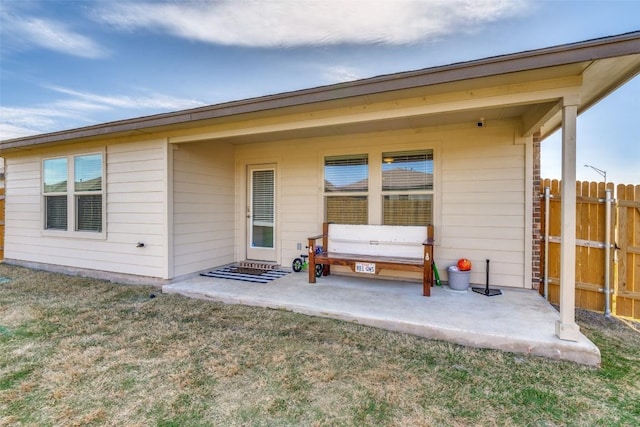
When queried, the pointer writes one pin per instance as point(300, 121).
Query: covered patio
point(518, 321)
point(180, 191)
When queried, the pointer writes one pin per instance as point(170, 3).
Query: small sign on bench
point(365, 267)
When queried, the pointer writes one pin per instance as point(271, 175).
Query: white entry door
point(261, 213)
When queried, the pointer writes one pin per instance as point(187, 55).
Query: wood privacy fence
point(619, 269)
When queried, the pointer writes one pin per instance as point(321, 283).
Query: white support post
point(566, 327)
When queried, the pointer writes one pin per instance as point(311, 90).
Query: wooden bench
point(368, 249)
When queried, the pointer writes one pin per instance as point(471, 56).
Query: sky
point(68, 64)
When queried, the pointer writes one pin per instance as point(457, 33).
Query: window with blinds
point(407, 187)
point(55, 172)
point(88, 192)
point(55, 212)
point(262, 197)
point(84, 213)
point(346, 186)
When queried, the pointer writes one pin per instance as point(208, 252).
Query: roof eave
point(607, 47)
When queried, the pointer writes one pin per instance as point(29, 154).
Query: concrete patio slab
point(519, 321)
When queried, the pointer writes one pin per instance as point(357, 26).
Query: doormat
point(258, 265)
point(246, 274)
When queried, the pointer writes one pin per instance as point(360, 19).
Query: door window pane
point(263, 190)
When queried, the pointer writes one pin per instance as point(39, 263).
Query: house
point(154, 199)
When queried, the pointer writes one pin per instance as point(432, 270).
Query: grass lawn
point(77, 351)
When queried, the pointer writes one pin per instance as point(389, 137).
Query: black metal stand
point(486, 291)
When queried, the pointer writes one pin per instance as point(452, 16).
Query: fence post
point(607, 252)
point(547, 196)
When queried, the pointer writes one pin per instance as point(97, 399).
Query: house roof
point(593, 69)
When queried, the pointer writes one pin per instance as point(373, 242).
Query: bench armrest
point(428, 242)
point(316, 237)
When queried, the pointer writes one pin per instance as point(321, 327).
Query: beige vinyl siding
point(135, 212)
point(483, 205)
point(136, 203)
point(23, 216)
point(203, 207)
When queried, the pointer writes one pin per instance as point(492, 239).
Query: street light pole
point(601, 172)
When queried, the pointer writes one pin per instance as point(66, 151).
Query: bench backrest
point(377, 240)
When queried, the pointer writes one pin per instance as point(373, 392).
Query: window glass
point(344, 176)
point(346, 173)
point(407, 171)
point(85, 211)
point(56, 212)
point(347, 209)
point(88, 173)
point(263, 203)
point(89, 213)
point(408, 209)
point(407, 187)
point(55, 175)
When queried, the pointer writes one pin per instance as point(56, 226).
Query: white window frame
point(71, 195)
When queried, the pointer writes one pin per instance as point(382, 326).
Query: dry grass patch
point(76, 351)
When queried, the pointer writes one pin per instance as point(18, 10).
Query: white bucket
point(459, 280)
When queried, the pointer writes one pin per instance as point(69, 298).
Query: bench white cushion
point(377, 240)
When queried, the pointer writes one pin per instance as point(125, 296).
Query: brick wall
point(537, 215)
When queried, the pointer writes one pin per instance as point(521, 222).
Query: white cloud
point(288, 23)
point(81, 110)
point(152, 101)
point(49, 34)
point(340, 74)
point(9, 131)
point(16, 122)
